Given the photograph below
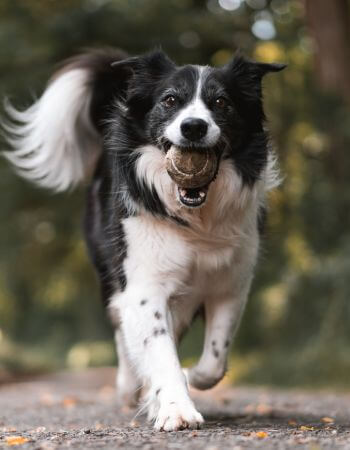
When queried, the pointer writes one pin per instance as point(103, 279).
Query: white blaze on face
point(195, 109)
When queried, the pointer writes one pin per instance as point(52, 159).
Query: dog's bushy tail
point(56, 141)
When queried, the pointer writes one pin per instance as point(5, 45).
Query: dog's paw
point(175, 416)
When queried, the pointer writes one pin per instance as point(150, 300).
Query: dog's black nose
point(194, 129)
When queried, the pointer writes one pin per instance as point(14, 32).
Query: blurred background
point(296, 327)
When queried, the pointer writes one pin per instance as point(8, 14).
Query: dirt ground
point(79, 410)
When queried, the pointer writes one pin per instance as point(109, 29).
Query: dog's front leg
point(147, 331)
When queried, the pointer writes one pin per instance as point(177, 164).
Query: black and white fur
point(159, 261)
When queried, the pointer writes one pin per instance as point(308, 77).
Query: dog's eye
point(169, 101)
point(220, 102)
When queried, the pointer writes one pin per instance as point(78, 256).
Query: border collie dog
point(163, 252)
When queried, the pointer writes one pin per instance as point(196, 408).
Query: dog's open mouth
point(192, 197)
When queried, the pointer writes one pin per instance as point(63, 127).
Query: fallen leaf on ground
point(16, 440)
point(305, 428)
point(327, 420)
point(261, 434)
point(263, 409)
point(69, 402)
point(292, 422)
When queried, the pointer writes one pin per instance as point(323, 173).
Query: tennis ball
point(191, 168)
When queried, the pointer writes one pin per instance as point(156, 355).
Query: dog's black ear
point(243, 78)
point(264, 68)
point(254, 71)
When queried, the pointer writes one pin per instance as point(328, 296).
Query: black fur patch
point(155, 332)
point(107, 258)
point(159, 331)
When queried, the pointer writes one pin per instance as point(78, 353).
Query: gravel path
point(79, 411)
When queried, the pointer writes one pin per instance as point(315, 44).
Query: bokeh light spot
point(230, 5)
point(189, 39)
point(269, 51)
point(264, 29)
point(44, 232)
point(221, 57)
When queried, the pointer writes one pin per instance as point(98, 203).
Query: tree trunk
point(329, 25)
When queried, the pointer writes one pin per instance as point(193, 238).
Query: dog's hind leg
point(222, 317)
point(224, 306)
point(128, 385)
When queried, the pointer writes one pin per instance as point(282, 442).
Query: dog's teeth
point(201, 194)
point(183, 192)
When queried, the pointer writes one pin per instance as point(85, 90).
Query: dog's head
point(214, 113)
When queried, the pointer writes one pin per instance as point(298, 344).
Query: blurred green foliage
point(295, 330)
